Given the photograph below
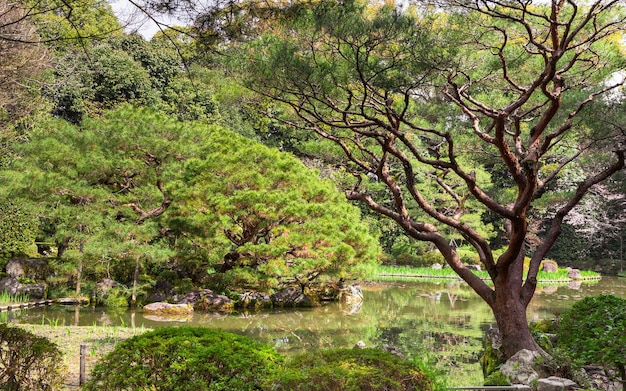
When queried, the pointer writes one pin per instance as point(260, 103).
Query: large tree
point(417, 99)
point(266, 221)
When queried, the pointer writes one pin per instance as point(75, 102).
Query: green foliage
point(592, 332)
point(496, 378)
point(185, 358)
point(17, 229)
point(69, 23)
point(116, 298)
point(351, 370)
point(127, 69)
point(267, 221)
point(28, 362)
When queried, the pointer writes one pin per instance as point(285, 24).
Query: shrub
point(592, 332)
point(27, 361)
point(185, 358)
point(351, 369)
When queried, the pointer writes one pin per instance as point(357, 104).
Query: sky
point(135, 20)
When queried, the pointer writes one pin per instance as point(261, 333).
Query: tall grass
point(6, 298)
point(388, 273)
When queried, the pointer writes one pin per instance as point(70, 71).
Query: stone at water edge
point(574, 274)
point(292, 297)
point(351, 294)
point(161, 308)
point(254, 300)
point(207, 300)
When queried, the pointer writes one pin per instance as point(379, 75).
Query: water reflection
point(414, 317)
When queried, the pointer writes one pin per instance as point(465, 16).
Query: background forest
point(149, 160)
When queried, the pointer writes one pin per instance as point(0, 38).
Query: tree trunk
point(79, 268)
point(621, 368)
point(133, 298)
point(513, 325)
point(79, 276)
point(509, 309)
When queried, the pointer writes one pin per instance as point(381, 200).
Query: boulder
point(437, 266)
point(291, 297)
point(351, 294)
point(163, 309)
point(36, 269)
point(474, 267)
point(549, 266)
point(207, 300)
point(254, 300)
point(554, 383)
point(12, 286)
point(522, 368)
point(574, 274)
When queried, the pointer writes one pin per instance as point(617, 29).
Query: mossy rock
point(497, 378)
point(492, 357)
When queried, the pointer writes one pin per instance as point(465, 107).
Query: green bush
point(185, 358)
point(28, 362)
point(351, 369)
point(592, 332)
point(116, 298)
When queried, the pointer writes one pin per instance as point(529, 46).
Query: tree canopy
point(138, 188)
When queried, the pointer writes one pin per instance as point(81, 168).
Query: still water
point(445, 320)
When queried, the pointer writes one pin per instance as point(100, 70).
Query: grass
point(99, 341)
point(6, 298)
point(404, 273)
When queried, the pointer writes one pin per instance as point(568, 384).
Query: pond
point(443, 321)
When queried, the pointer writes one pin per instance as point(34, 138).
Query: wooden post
point(81, 376)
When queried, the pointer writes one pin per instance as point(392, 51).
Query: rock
point(351, 294)
point(554, 383)
point(10, 285)
point(437, 266)
point(360, 345)
point(162, 309)
point(549, 267)
point(13, 287)
point(598, 379)
point(574, 274)
point(521, 368)
point(207, 300)
point(254, 300)
point(474, 267)
point(33, 291)
point(291, 297)
point(36, 269)
point(492, 356)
